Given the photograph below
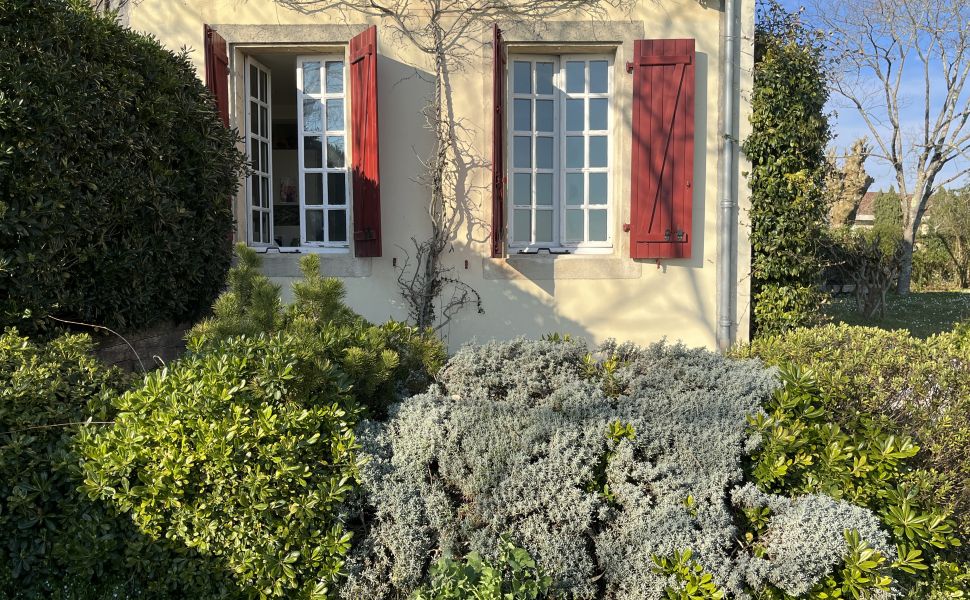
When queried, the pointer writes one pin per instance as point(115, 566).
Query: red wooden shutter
point(498, 144)
point(365, 164)
point(663, 148)
point(217, 71)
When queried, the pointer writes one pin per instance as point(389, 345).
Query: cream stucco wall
point(597, 297)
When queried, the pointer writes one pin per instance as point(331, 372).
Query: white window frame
point(325, 208)
point(560, 95)
point(252, 138)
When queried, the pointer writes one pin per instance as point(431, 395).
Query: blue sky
point(848, 125)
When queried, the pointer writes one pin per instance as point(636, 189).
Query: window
point(305, 200)
point(322, 151)
point(559, 164)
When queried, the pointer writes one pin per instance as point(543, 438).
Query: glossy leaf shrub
point(243, 454)
point(593, 461)
point(56, 543)
point(909, 387)
point(115, 173)
point(787, 152)
point(805, 451)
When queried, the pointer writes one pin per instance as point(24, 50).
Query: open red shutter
point(217, 71)
point(663, 148)
point(498, 144)
point(364, 143)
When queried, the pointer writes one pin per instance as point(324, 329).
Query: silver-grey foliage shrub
point(514, 440)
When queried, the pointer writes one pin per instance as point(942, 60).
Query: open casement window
point(324, 177)
point(311, 134)
point(259, 141)
point(663, 148)
point(559, 166)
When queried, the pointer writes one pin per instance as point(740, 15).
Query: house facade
point(598, 191)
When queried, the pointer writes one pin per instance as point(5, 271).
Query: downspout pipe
point(727, 184)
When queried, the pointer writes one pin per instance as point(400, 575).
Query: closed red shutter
point(217, 71)
point(364, 143)
point(498, 144)
point(663, 148)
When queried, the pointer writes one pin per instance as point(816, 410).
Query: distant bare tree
point(845, 185)
point(878, 45)
point(448, 33)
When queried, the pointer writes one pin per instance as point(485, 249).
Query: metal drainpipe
point(727, 179)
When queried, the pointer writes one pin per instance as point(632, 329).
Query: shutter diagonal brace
point(670, 134)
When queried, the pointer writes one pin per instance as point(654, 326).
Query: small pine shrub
point(525, 437)
point(384, 362)
point(57, 543)
point(115, 173)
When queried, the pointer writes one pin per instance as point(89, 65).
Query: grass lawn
point(922, 313)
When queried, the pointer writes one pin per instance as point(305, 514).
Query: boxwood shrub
point(115, 173)
point(54, 542)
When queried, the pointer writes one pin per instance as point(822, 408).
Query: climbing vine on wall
point(790, 131)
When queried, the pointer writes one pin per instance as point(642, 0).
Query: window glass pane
point(312, 115)
point(575, 76)
point(544, 152)
point(521, 77)
point(257, 230)
point(522, 226)
point(335, 114)
point(263, 87)
point(255, 190)
point(254, 150)
point(544, 189)
point(522, 115)
point(574, 188)
point(267, 198)
point(335, 77)
point(522, 189)
point(314, 225)
point(337, 224)
point(265, 228)
point(253, 118)
point(597, 113)
point(597, 225)
point(574, 114)
point(597, 188)
point(335, 151)
point(312, 153)
point(313, 191)
point(336, 188)
point(574, 152)
point(521, 152)
point(544, 78)
point(311, 78)
point(263, 121)
point(544, 115)
point(574, 225)
point(264, 156)
point(543, 225)
point(598, 76)
point(253, 82)
point(597, 151)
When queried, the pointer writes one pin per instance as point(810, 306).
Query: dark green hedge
point(115, 173)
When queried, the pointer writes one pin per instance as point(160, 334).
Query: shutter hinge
point(680, 236)
point(626, 227)
point(667, 235)
point(629, 67)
